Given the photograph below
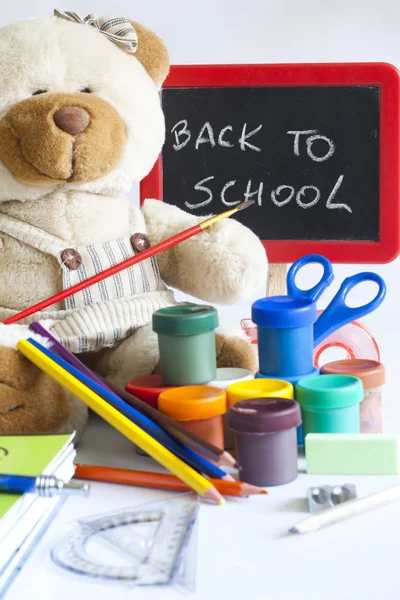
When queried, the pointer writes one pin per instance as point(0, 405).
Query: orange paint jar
point(199, 408)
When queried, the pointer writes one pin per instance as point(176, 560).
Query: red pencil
point(143, 255)
point(160, 480)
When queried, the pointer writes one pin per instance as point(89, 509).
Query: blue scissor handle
point(315, 292)
point(338, 313)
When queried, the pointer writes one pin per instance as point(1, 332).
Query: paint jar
point(330, 403)
point(256, 388)
point(372, 375)
point(147, 388)
point(186, 342)
point(293, 381)
point(285, 335)
point(227, 376)
point(199, 408)
point(265, 439)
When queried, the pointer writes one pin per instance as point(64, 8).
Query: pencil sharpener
point(327, 496)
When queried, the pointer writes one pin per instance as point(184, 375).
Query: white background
point(242, 549)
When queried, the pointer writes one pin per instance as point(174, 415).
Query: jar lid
point(185, 319)
point(329, 391)
point(192, 402)
point(147, 388)
point(227, 376)
point(371, 372)
point(284, 312)
point(258, 388)
point(264, 415)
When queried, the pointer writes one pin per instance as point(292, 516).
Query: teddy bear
point(81, 121)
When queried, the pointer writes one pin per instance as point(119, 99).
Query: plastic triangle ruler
point(149, 544)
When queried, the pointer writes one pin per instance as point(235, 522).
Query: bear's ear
point(152, 53)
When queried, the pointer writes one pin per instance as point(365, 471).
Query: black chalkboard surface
point(316, 146)
point(308, 156)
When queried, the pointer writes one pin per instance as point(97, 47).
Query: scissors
point(337, 313)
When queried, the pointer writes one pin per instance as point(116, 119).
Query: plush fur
point(38, 152)
point(58, 56)
point(225, 264)
point(21, 384)
point(152, 53)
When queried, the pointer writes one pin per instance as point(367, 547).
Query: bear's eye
point(39, 92)
point(86, 90)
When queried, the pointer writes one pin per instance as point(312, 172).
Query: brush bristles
point(245, 204)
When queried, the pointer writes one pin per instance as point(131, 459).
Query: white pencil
point(349, 509)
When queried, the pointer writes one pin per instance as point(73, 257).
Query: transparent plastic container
point(372, 375)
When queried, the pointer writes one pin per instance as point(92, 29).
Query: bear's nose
point(72, 119)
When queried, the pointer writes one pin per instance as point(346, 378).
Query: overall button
point(71, 258)
point(140, 242)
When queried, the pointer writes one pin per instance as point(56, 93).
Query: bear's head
point(76, 109)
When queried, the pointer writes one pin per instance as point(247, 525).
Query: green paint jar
point(330, 403)
point(186, 341)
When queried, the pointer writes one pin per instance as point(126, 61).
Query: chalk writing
point(309, 156)
point(306, 197)
point(309, 144)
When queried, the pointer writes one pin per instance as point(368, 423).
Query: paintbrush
point(129, 262)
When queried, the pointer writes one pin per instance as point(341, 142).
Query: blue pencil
point(212, 453)
point(191, 457)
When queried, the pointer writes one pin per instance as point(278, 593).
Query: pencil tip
point(245, 204)
point(213, 495)
point(294, 530)
point(250, 489)
point(228, 460)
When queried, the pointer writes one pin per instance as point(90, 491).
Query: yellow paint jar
point(255, 388)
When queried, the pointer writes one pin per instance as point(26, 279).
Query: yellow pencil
point(134, 433)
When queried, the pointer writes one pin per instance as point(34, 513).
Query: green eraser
point(352, 454)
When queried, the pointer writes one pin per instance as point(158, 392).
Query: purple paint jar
point(266, 439)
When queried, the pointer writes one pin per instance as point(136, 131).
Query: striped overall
point(107, 312)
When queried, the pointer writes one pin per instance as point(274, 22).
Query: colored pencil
point(129, 262)
point(167, 459)
point(177, 430)
point(195, 460)
point(159, 480)
point(59, 349)
point(172, 427)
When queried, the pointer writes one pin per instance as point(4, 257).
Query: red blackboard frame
point(382, 74)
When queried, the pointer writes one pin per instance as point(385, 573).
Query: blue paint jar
point(285, 335)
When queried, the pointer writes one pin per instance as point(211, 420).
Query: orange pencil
point(159, 480)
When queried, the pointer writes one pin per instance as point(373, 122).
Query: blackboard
point(311, 156)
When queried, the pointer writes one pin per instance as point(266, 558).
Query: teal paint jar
point(330, 403)
point(186, 341)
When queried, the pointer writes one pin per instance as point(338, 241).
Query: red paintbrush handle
point(129, 262)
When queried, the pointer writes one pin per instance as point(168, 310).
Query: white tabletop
point(243, 549)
